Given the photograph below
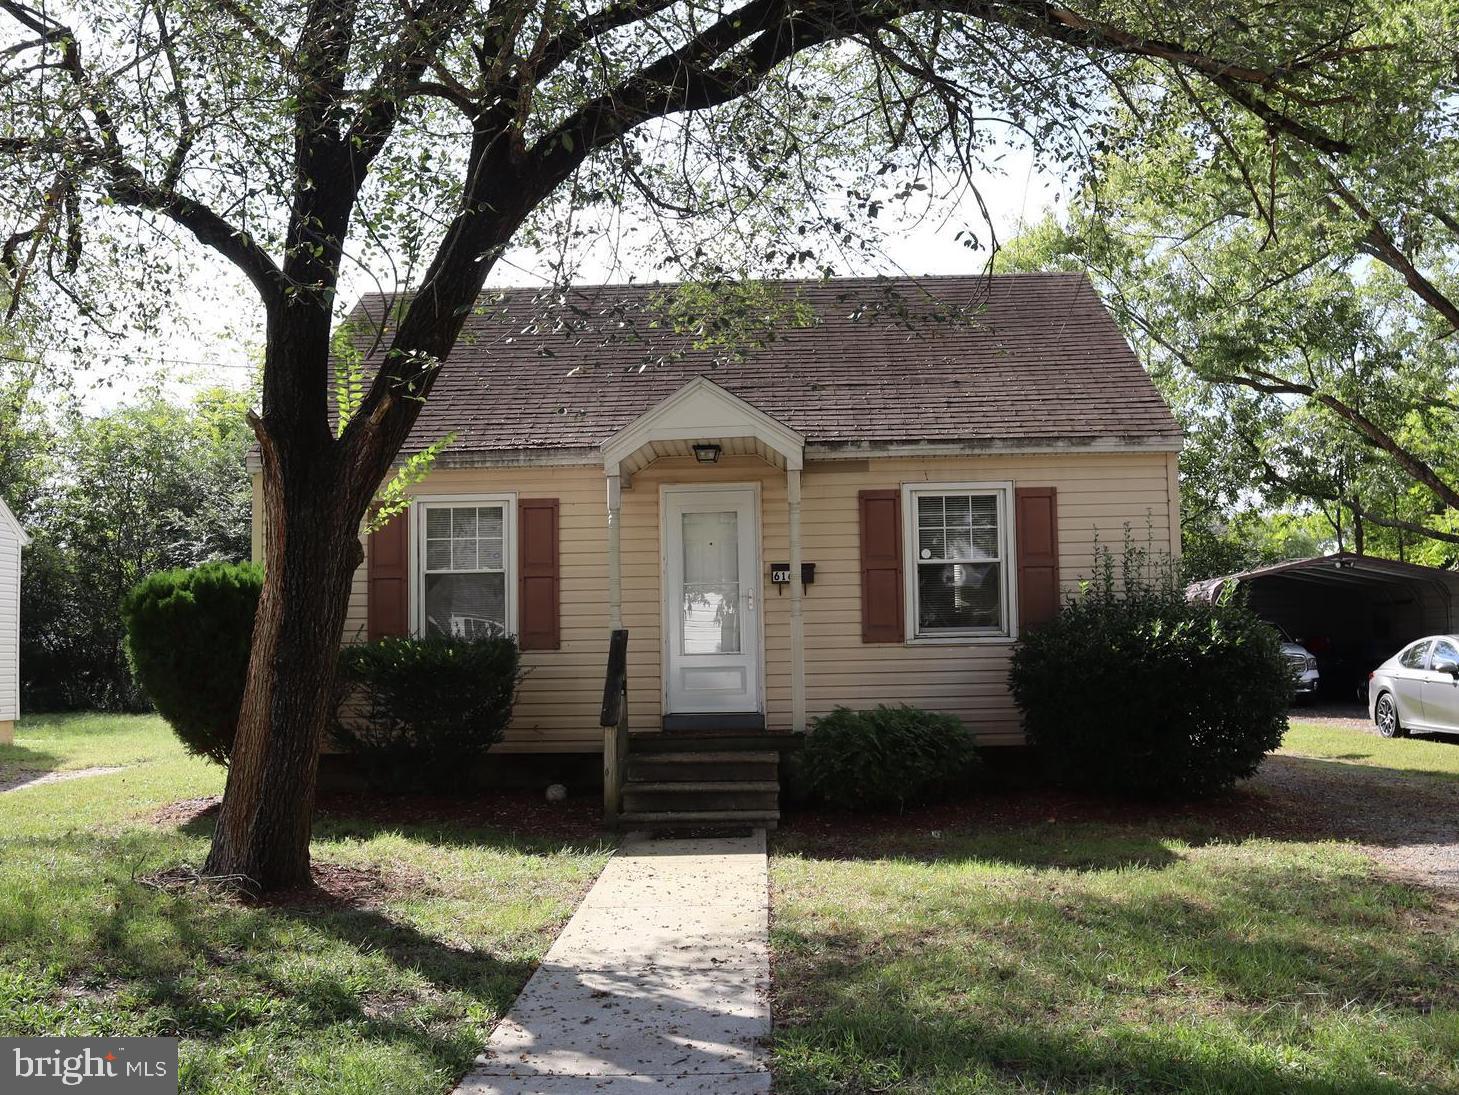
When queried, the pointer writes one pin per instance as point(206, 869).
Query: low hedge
point(885, 757)
point(420, 714)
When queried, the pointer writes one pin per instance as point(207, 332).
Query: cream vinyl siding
point(9, 624)
point(1098, 494)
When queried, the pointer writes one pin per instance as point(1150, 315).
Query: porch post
point(615, 558)
point(797, 625)
point(614, 737)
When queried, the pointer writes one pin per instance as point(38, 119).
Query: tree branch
point(1402, 526)
point(1417, 468)
point(126, 184)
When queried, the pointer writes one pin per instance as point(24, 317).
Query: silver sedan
point(1417, 688)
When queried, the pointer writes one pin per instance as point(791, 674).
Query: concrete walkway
point(30, 777)
point(659, 982)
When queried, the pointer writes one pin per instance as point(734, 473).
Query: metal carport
point(1351, 611)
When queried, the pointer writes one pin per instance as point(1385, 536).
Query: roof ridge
point(866, 279)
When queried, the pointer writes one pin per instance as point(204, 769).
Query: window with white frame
point(958, 552)
point(465, 557)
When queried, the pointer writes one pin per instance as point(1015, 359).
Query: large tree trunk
point(316, 490)
point(312, 550)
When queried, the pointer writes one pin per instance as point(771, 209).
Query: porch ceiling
point(646, 454)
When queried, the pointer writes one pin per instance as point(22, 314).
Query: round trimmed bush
point(886, 757)
point(189, 633)
point(1151, 695)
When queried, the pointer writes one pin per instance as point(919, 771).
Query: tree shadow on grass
point(1292, 799)
point(967, 1056)
point(492, 821)
point(1262, 979)
point(20, 764)
point(212, 968)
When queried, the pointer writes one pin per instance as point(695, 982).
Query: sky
point(221, 337)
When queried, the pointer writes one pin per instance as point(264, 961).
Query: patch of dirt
point(338, 886)
point(334, 886)
point(178, 814)
point(30, 778)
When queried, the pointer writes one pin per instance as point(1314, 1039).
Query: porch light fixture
point(706, 453)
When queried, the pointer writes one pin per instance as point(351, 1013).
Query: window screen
point(958, 548)
point(465, 580)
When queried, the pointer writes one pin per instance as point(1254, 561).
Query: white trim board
point(418, 505)
point(1003, 491)
point(665, 605)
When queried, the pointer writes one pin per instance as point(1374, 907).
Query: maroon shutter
point(388, 586)
point(881, 566)
point(538, 580)
point(1036, 527)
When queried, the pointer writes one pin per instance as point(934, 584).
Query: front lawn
point(1099, 954)
point(1433, 758)
point(60, 743)
point(389, 982)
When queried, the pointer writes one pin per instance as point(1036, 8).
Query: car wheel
point(1385, 715)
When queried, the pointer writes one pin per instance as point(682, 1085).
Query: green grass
point(1108, 958)
point(395, 993)
point(55, 743)
point(1433, 758)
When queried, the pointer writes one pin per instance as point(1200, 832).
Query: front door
point(711, 580)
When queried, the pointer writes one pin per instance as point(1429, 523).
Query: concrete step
point(703, 785)
point(703, 767)
point(700, 819)
point(704, 742)
point(702, 796)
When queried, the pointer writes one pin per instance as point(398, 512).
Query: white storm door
point(711, 579)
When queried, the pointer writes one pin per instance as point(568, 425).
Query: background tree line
point(109, 498)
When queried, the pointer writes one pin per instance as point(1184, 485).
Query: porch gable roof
point(700, 411)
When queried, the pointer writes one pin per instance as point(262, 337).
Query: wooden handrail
point(614, 720)
point(615, 681)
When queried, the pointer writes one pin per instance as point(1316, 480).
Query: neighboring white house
point(12, 539)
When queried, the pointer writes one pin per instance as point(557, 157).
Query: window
point(1446, 650)
point(958, 551)
point(1414, 656)
point(466, 555)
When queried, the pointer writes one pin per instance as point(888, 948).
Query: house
point(12, 540)
point(865, 506)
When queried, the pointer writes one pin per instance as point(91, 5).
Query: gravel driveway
point(1347, 716)
point(1407, 821)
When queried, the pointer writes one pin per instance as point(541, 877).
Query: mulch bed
point(1237, 813)
point(518, 812)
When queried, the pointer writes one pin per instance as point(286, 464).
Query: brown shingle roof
point(1022, 359)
